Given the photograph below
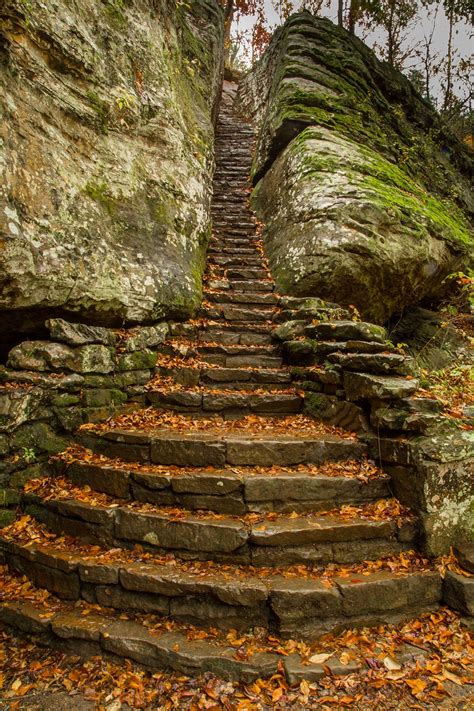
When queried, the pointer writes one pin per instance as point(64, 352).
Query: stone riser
point(241, 298)
point(214, 450)
point(239, 404)
point(224, 491)
point(292, 608)
point(226, 377)
point(231, 337)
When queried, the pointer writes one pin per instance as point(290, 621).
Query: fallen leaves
point(364, 470)
point(152, 419)
point(442, 674)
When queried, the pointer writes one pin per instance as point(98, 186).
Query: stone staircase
point(224, 506)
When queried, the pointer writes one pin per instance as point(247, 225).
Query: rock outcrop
point(107, 114)
point(364, 194)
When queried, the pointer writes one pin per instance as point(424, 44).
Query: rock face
point(107, 135)
point(354, 174)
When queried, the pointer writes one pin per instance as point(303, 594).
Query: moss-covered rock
point(105, 207)
point(365, 196)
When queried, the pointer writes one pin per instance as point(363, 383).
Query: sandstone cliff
point(364, 194)
point(106, 152)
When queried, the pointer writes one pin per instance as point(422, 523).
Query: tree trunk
point(228, 17)
point(391, 36)
point(449, 66)
point(340, 13)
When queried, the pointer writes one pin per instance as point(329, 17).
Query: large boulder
point(364, 194)
point(107, 127)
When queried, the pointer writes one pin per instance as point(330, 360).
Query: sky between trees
point(433, 47)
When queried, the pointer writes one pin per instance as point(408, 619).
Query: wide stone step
point(231, 491)
point(247, 297)
point(268, 350)
point(98, 635)
point(234, 250)
point(237, 386)
point(246, 274)
point(251, 284)
point(241, 403)
point(191, 376)
point(242, 361)
point(231, 312)
point(219, 448)
point(218, 334)
point(235, 261)
point(231, 242)
point(227, 597)
point(243, 228)
point(253, 539)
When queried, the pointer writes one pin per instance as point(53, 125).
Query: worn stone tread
point(236, 537)
point(209, 401)
point(225, 596)
point(227, 490)
point(166, 446)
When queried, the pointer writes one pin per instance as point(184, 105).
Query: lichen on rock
point(365, 196)
point(106, 154)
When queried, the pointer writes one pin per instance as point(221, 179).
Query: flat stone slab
point(295, 532)
point(349, 330)
point(372, 362)
point(359, 386)
point(458, 593)
point(214, 488)
point(224, 535)
point(293, 487)
point(382, 591)
point(465, 555)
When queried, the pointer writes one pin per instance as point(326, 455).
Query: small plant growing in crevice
point(28, 454)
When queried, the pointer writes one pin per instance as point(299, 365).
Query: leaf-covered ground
point(32, 677)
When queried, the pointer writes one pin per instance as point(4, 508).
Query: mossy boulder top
point(364, 193)
point(107, 132)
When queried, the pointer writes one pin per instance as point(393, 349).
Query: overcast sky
point(421, 27)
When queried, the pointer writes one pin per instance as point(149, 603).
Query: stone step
point(212, 401)
point(253, 539)
point(242, 228)
point(251, 284)
point(236, 261)
point(99, 635)
point(96, 634)
point(192, 376)
point(259, 327)
point(247, 274)
point(242, 361)
point(232, 241)
point(217, 447)
point(247, 297)
point(268, 350)
point(237, 385)
point(233, 251)
point(230, 491)
point(228, 337)
point(231, 312)
point(222, 596)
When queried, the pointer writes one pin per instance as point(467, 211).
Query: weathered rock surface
point(107, 138)
point(353, 174)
